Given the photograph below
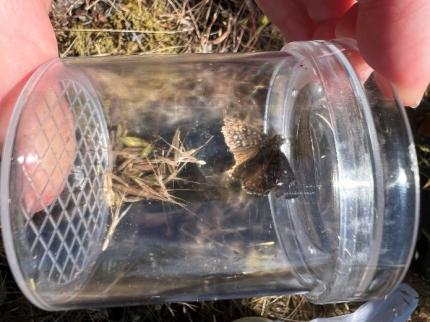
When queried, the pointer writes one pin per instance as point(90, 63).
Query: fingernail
point(411, 96)
point(415, 105)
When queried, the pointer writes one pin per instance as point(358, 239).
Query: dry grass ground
point(113, 27)
point(119, 27)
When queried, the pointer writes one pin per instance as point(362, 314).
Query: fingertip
point(411, 96)
point(393, 38)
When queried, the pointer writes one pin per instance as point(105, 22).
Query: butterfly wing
point(286, 184)
point(268, 170)
point(259, 163)
point(253, 176)
point(243, 140)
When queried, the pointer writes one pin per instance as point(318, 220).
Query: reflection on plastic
point(253, 319)
point(396, 307)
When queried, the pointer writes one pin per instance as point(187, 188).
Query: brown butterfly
point(260, 165)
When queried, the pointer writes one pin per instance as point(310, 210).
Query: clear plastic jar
point(179, 178)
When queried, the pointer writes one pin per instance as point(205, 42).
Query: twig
point(116, 219)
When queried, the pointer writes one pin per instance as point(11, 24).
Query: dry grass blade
point(136, 177)
point(296, 308)
point(125, 31)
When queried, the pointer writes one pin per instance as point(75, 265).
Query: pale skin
point(393, 37)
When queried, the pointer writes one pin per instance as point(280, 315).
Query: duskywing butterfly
point(259, 163)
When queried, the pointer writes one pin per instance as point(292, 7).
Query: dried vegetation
point(122, 27)
point(112, 27)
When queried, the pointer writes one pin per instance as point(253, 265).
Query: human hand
point(393, 35)
point(27, 40)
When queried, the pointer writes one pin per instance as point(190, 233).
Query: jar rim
point(356, 273)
